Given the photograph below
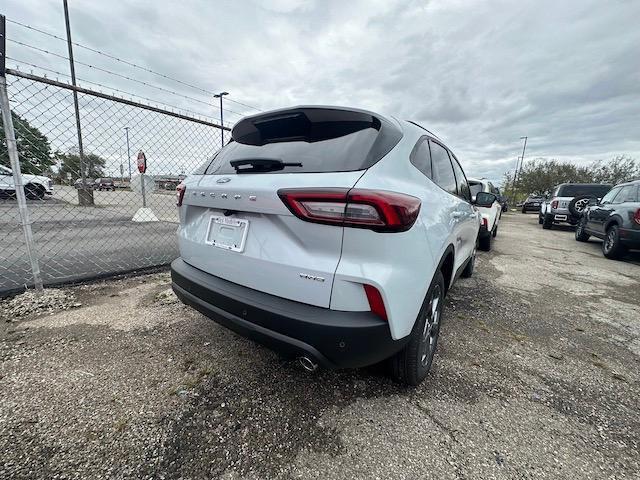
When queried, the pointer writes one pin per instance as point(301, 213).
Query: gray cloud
point(479, 74)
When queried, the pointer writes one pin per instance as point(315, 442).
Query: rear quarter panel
point(400, 265)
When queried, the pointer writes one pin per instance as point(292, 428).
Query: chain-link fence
point(92, 227)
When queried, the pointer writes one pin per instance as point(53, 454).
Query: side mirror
point(485, 199)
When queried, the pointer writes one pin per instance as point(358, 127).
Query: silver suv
point(567, 202)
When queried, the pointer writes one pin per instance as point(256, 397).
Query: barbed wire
point(131, 64)
point(133, 95)
point(104, 70)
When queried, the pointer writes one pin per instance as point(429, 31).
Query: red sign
point(142, 162)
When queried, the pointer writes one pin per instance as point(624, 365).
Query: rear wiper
point(261, 165)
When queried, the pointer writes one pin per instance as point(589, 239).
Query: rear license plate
point(560, 217)
point(228, 233)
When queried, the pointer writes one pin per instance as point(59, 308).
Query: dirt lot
point(537, 375)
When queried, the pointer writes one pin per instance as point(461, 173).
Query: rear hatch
point(235, 226)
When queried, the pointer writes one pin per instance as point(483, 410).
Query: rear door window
point(609, 196)
point(442, 170)
point(461, 179)
point(420, 156)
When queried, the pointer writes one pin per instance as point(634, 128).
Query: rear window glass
point(341, 154)
point(578, 190)
point(475, 188)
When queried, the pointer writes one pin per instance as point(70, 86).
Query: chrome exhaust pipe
point(308, 364)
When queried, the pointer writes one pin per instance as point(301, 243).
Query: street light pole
point(128, 153)
point(523, 149)
point(220, 95)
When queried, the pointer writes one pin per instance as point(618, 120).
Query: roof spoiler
point(307, 124)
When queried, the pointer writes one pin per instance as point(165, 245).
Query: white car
point(329, 234)
point(490, 215)
point(35, 186)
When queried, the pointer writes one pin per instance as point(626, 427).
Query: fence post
point(12, 148)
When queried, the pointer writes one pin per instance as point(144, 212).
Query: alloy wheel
point(431, 326)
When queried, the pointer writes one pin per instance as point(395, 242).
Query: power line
point(118, 75)
point(157, 102)
point(131, 64)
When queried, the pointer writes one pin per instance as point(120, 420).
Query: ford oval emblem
point(223, 180)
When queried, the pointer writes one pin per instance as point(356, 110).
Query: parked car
point(104, 184)
point(532, 203)
point(502, 200)
point(89, 183)
point(329, 234)
point(567, 202)
point(490, 216)
point(35, 186)
point(615, 219)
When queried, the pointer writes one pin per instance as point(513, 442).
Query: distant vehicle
point(502, 200)
point(490, 216)
point(331, 234)
point(35, 186)
point(105, 184)
point(567, 202)
point(89, 183)
point(615, 219)
point(532, 203)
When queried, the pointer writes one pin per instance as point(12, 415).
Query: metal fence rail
point(74, 240)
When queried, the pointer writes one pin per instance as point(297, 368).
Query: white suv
point(329, 234)
point(35, 186)
point(490, 215)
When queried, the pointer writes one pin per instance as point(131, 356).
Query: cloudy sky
point(479, 74)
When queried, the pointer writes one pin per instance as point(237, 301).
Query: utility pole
point(522, 157)
point(85, 195)
point(220, 95)
point(126, 129)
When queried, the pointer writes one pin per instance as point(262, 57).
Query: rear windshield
point(341, 154)
point(578, 190)
point(475, 188)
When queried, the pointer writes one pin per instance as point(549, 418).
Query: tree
point(70, 163)
point(619, 169)
point(34, 150)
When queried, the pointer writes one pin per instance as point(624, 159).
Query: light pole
point(220, 95)
point(522, 157)
point(126, 129)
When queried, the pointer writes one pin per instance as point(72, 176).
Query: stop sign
point(142, 162)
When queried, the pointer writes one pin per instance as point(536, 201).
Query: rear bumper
point(334, 339)
point(630, 238)
point(531, 208)
point(483, 232)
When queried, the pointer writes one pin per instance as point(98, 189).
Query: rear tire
point(484, 243)
point(540, 219)
point(524, 210)
point(468, 269)
point(411, 365)
point(495, 231)
point(612, 247)
point(547, 221)
point(581, 235)
point(34, 192)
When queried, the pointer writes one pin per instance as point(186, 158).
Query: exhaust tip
point(308, 364)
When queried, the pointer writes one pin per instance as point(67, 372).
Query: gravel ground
point(536, 376)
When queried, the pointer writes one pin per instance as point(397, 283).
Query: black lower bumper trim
point(335, 339)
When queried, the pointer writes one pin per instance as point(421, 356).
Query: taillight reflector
point(376, 304)
point(180, 189)
point(485, 223)
point(636, 217)
point(554, 204)
point(381, 211)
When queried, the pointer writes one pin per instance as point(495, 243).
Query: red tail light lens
point(636, 217)
point(485, 223)
point(180, 189)
point(376, 304)
point(377, 210)
point(554, 204)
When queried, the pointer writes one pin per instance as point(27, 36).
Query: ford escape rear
point(329, 234)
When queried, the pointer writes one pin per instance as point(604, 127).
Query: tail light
point(376, 304)
point(180, 189)
point(377, 210)
point(485, 223)
point(554, 204)
point(636, 216)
